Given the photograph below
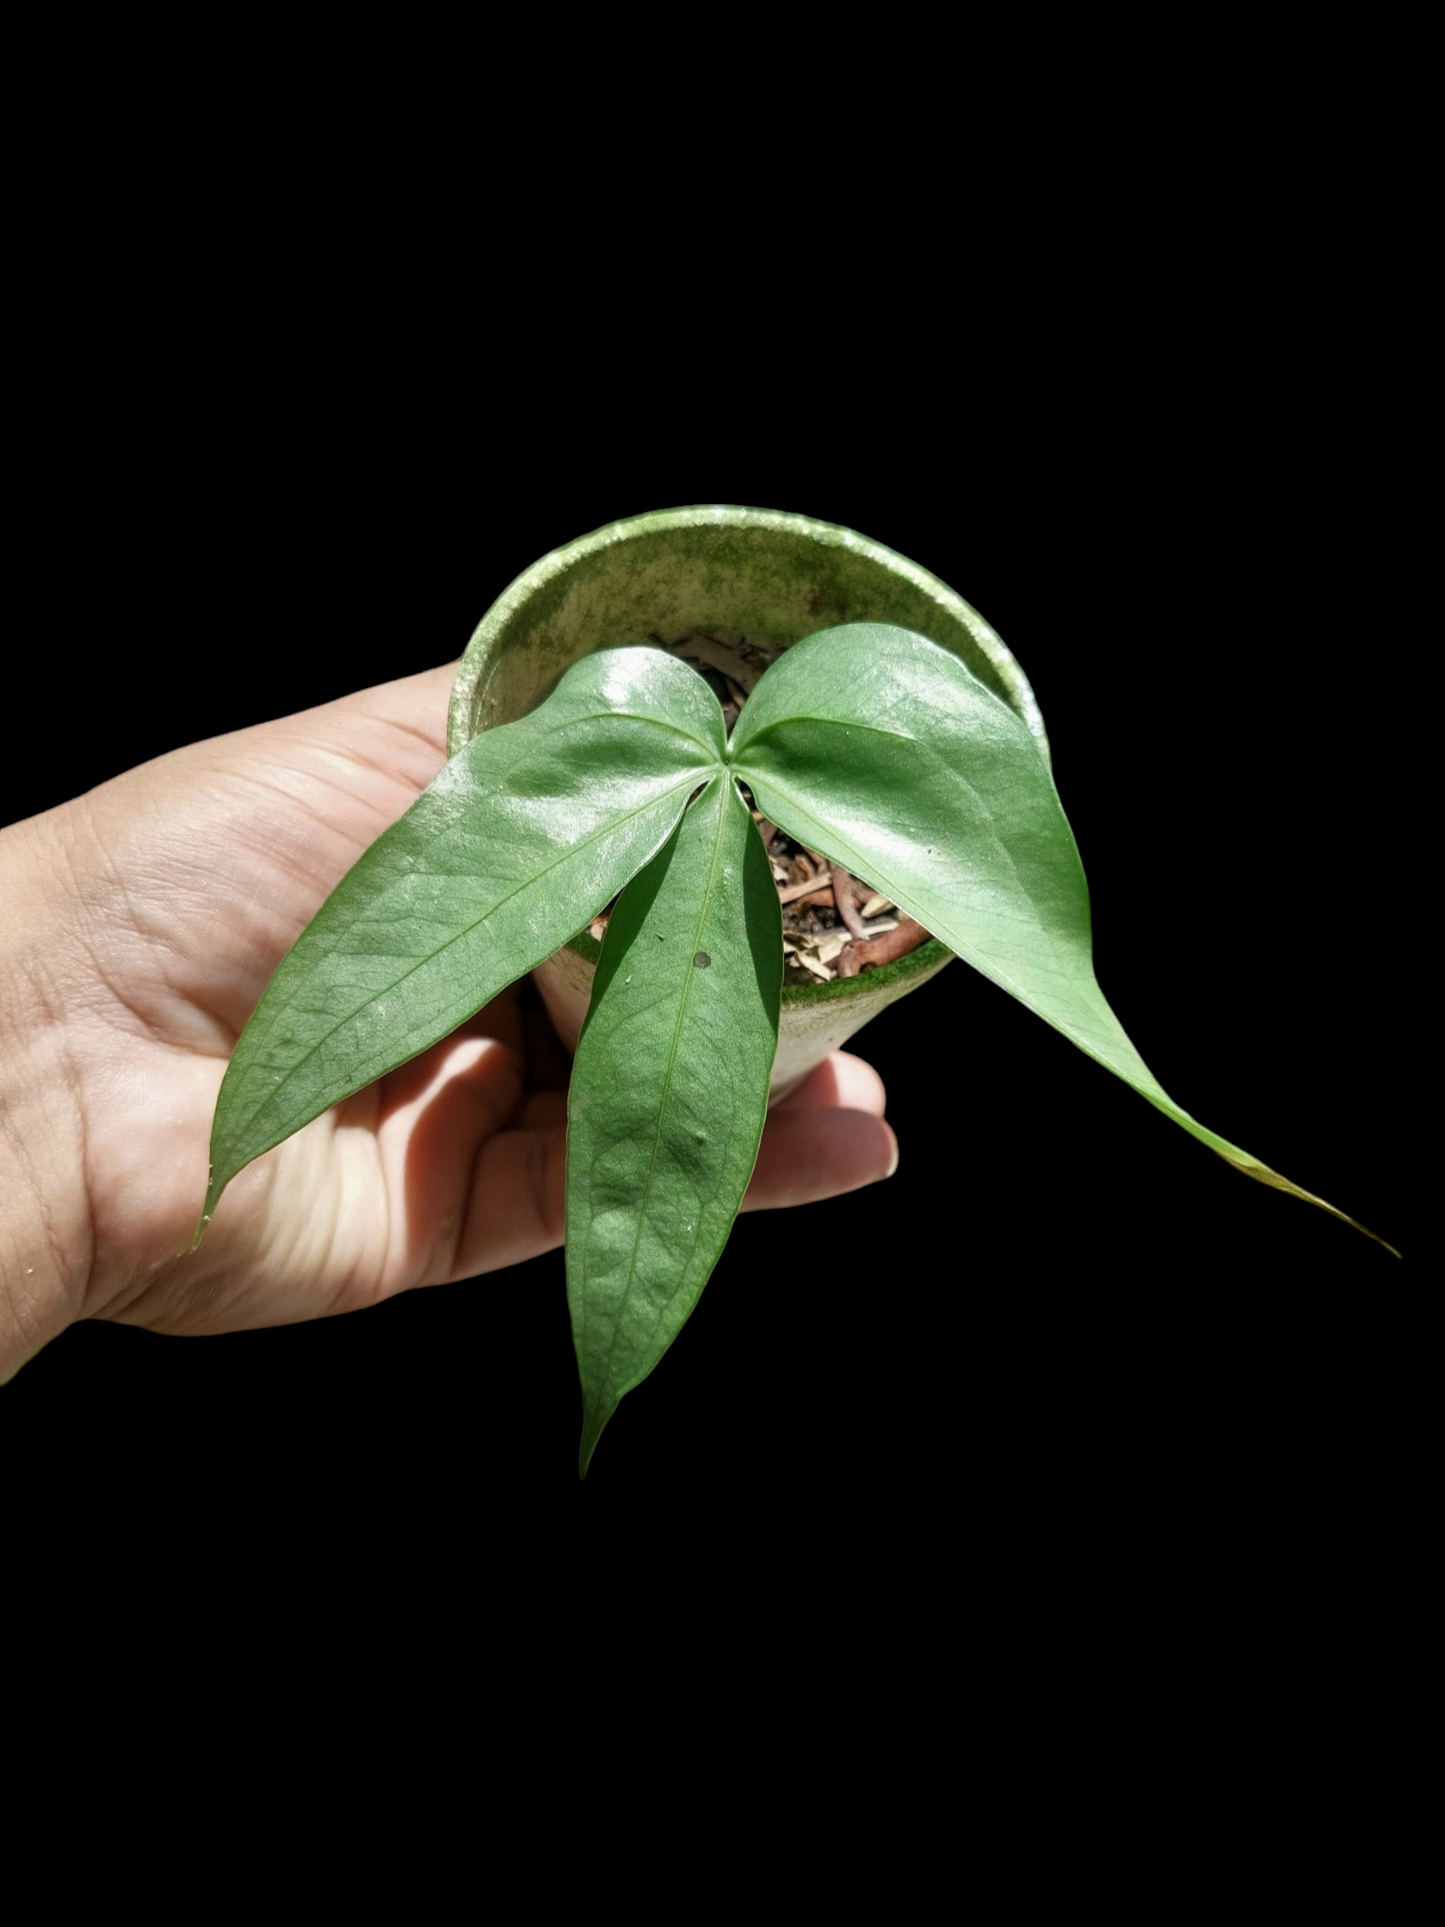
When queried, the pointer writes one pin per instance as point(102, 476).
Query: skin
point(142, 923)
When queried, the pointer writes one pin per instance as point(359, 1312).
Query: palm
point(200, 871)
point(192, 910)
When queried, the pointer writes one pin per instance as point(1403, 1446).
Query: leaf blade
point(520, 840)
point(883, 751)
point(669, 1094)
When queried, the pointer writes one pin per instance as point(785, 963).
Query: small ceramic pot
point(734, 574)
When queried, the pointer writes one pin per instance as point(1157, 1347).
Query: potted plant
point(708, 583)
point(883, 727)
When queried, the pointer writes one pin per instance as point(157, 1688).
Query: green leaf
point(519, 842)
point(669, 1093)
point(884, 752)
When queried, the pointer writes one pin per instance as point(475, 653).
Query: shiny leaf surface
point(867, 743)
point(884, 752)
point(669, 1093)
point(522, 838)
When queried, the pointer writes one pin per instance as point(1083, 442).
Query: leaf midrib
point(421, 963)
point(646, 1191)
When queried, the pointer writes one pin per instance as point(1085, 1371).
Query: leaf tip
point(594, 1421)
point(213, 1198)
point(1262, 1174)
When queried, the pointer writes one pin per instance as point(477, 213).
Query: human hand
point(144, 921)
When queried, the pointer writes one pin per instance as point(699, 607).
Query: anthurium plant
point(866, 743)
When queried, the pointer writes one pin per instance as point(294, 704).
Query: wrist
point(44, 1214)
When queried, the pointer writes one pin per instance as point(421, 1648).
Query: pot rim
point(658, 521)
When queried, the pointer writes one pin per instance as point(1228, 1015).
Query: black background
point(1062, 1315)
